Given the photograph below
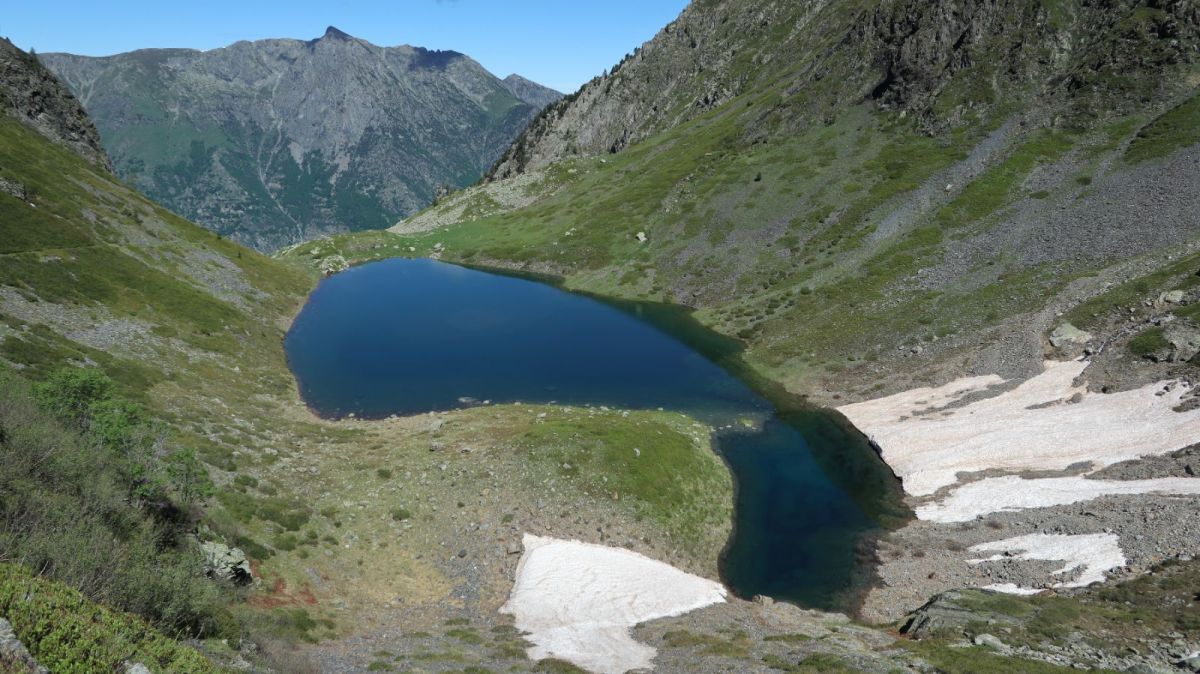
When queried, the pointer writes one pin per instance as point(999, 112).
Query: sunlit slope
point(937, 219)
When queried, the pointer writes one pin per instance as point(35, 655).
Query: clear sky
point(559, 43)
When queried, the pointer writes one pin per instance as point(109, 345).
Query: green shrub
point(69, 393)
point(84, 501)
point(67, 633)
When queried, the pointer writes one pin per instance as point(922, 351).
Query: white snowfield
point(578, 600)
point(1011, 493)
point(1094, 553)
point(1032, 427)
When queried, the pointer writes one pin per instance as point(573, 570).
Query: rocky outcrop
point(226, 563)
point(14, 657)
point(949, 613)
point(1069, 340)
point(1184, 340)
point(32, 94)
point(278, 141)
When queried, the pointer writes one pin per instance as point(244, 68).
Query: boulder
point(1184, 339)
point(1069, 339)
point(1169, 297)
point(989, 641)
point(14, 657)
point(226, 563)
point(950, 613)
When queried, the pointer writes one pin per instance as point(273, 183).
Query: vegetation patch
point(66, 632)
point(1174, 130)
point(667, 473)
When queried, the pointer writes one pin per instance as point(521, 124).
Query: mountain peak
point(332, 33)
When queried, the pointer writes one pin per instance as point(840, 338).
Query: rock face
point(1184, 338)
point(949, 613)
point(913, 55)
point(14, 657)
point(226, 563)
point(32, 94)
point(278, 141)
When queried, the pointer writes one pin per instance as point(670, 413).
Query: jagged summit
point(333, 33)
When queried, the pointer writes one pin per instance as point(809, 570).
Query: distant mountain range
point(277, 141)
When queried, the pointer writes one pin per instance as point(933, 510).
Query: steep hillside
point(278, 141)
point(844, 220)
point(35, 96)
point(162, 346)
point(942, 61)
point(926, 199)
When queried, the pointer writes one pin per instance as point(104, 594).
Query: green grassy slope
point(838, 242)
point(66, 633)
point(339, 518)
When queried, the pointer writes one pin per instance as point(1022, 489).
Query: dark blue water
point(409, 336)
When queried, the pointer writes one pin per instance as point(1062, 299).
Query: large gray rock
point(226, 563)
point(950, 613)
point(1069, 339)
point(14, 657)
point(990, 641)
point(1184, 339)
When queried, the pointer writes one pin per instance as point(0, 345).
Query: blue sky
point(559, 43)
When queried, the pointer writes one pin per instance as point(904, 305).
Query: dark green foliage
point(291, 515)
point(553, 666)
point(84, 500)
point(1148, 342)
point(1175, 130)
point(67, 633)
point(70, 393)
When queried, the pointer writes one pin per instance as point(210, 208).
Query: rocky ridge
point(937, 60)
point(33, 94)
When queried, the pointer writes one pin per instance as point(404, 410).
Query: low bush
point(92, 495)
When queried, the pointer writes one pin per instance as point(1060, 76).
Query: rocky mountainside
point(33, 94)
point(938, 60)
point(531, 92)
point(278, 141)
point(911, 201)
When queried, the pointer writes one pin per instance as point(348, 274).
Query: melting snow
point(1031, 427)
point(1009, 493)
point(578, 600)
point(1094, 553)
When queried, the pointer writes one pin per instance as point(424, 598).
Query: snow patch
point(1032, 427)
point(1094, 553)
point(1011, 493)
point(578, 600)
